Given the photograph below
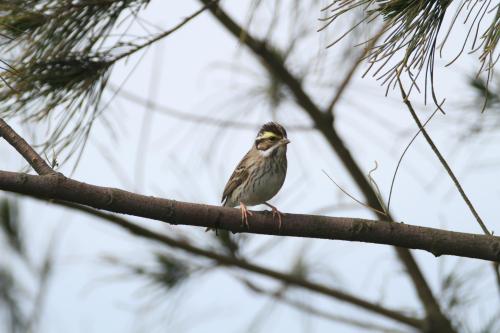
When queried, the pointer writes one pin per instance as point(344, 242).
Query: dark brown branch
point(26, 151)
point(232, 261)
point(323, 121)
point(435, 241)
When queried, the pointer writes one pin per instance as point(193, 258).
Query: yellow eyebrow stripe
point(267, 135)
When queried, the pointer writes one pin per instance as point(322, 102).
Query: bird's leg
point(275, 212)
point(244, 214)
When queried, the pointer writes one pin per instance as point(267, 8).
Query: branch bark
point(26, 151)
point(323, 121)
point(435, 241)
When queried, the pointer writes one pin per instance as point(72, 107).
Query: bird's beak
point(285, 141)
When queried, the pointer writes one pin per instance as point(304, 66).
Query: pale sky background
point(200, 69)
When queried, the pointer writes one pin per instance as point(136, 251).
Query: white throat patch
point(267, 153)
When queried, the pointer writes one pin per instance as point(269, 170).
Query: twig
point(352, 197)
point(196, 118)
point(279, 295)
point(442, 160)
point(167, 32)
point(323, 122)
point(26, 151)
point(403, 154)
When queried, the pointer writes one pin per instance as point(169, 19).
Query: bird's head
point(271, 137)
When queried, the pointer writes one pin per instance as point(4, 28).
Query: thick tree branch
point(232, 261)
point(323, 121)
point(435, 241)
point(26, 151)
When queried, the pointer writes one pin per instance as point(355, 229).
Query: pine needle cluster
point(412, 27)
point(57, 56)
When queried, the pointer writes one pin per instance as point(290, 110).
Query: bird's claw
point(279, 214)
point(276, 212)
point(244, 215)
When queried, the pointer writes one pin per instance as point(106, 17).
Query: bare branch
point(26, 151)
point(442, 160)
point(435, 241)
point(193, 117)
point(302, 306)
point(166, 33)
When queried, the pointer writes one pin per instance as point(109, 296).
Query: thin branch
point(435, 241)
point(232, 261)
point(279, 296)
point(193, 117)
point(167, 32)
point(402, 156)
point(442, 160)
point(26, 151)
point(351, 196)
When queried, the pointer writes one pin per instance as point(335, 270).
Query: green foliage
point(59, 54)
point(411, 34)
point(19, 23)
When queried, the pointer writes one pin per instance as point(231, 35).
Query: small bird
point(260, 174)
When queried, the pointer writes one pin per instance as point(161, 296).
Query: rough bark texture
point(436, 241)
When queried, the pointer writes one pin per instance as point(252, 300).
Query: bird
point(259, 176)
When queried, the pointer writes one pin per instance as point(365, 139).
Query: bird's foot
point(276, 212)
point(244, 215)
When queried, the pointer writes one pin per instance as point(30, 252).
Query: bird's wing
point(239, 175)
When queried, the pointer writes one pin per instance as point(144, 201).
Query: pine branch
point(436, 241)
point(410, 45)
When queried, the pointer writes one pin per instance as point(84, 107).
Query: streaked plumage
point(261, 173)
